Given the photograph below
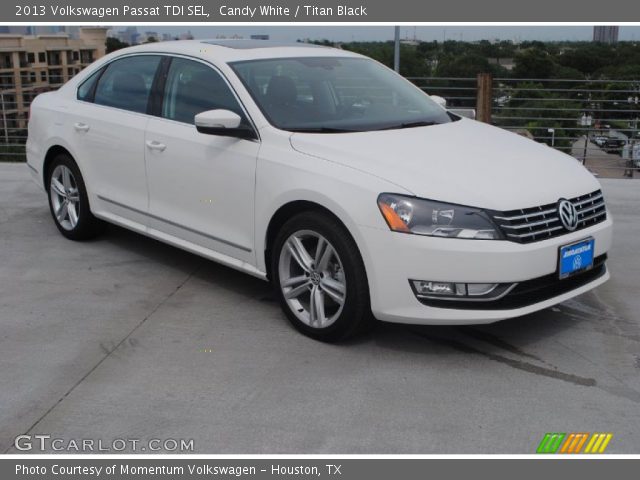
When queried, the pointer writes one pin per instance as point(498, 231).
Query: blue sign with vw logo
point(576, 257)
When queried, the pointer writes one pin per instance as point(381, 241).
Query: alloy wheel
point(312, 278)
point(65, 197)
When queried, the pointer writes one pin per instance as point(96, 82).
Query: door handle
point(81, 127)
point(153, 145)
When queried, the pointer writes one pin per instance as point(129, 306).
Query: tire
point(68, 201)
point(305, 277)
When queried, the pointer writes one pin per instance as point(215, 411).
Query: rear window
point(126, 83)
point(87, 88)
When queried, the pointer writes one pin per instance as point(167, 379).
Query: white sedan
point(347, 187)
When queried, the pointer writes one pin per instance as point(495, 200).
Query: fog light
point(475, 289)
point(425, 287)
point(428, 288)
point(434, 288)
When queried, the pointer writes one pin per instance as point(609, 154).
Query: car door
point(109, 123)
point(201, 187)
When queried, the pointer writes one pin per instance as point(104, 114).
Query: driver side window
point(193, 87)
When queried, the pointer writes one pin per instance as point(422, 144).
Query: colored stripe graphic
point(573, 443)
point(598, 443)
point(551, 442)
point(570, 443)
point(581, 442)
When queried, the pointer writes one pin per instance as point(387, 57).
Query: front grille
point(539, 223)
point(531, 291)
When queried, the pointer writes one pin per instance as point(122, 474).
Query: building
point(129, 35)
point(506, 63)
point(31, 64)
point(148, 37)
point(606, 34)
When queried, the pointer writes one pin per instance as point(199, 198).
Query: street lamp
point(396, 49)
point(585, 121)
point(552, 131)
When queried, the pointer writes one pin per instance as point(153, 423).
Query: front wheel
point(319, 277)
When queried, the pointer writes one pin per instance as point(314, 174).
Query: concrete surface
point(124, 337)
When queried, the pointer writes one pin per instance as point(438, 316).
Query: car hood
point(464, 162)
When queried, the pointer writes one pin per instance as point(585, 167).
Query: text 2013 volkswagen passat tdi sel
point(323, 171)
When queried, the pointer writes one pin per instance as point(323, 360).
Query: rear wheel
point(68, 200)
point(319, 277)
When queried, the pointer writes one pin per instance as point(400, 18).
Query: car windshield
point(336, 94)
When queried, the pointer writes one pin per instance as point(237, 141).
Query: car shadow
point(509, 338)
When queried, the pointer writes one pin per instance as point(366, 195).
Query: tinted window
point(192, 88)
point(86, 88)
point(126, 83)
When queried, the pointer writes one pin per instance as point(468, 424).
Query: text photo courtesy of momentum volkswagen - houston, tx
point(318, 240)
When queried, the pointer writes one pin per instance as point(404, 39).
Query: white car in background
point(324, 172)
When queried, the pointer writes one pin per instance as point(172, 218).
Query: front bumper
point(393, 258)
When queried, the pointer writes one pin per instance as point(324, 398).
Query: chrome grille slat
point(542, 222)
point(588, 200)
point(537, 232)
point(590, 217)
point(588, 209)
point(519, 217)
point(534, 224)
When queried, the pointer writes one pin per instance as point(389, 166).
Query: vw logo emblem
point(577, 262)
point(568, 214)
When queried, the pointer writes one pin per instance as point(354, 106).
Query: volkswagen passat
point(323, 171)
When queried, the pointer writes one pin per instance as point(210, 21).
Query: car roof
point(245, 44)
point(223, 50)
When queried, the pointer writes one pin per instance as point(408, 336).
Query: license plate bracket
point(576, 257)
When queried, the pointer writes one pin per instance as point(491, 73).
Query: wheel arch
point(53, 152)
point(290, 209)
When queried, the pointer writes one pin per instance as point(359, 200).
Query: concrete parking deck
point(124, 337)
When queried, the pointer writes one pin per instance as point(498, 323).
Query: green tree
point(534, 63)
point(114, 44)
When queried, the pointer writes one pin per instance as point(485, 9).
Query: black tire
point(87, 225)
point(355, 316)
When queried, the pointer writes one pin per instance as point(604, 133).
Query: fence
point(596, 121)
point(18, 88)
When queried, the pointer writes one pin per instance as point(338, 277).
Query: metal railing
point(596, 121)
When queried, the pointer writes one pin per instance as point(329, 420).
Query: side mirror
point(439, 100)
point(222, 122)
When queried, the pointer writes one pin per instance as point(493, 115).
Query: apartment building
point(606, 34)
point(32, 64)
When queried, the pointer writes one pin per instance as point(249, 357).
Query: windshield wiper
point(409, 125)
point(320, 130)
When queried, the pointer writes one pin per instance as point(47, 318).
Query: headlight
point(437, 219)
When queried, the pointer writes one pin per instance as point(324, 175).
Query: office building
point(606, 34)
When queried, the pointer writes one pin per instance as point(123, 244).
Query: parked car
point(325, 173)
point(610, 144)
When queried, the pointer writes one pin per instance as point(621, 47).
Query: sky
point(365, 33)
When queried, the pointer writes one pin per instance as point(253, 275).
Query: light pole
point(585, 121)
point(396, 50)
point(552, 131)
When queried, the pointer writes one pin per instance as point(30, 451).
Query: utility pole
point(396, 50)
